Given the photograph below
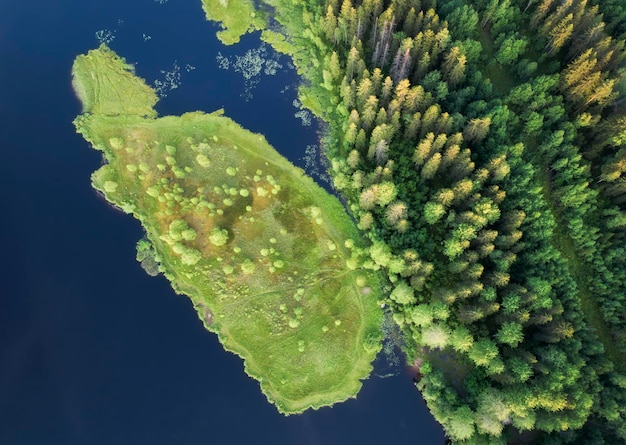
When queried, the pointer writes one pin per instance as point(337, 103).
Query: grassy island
point(270, 260)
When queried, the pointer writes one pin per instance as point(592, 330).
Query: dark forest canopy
point(482, 147)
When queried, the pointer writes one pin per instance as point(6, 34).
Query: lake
point(93, 350)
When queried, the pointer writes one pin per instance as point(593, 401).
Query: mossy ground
point(269, 259)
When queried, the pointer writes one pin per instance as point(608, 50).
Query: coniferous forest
point(481, 145)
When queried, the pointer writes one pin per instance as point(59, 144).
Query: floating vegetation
point(189, 67)
point(388, 362)
point(315, 164)
point(105, 36)
point(146, 37)
point(160, 2)
point(250, 65)
point(169, 82)
point(303, 114)
point(271, 67)
point(305, 117)
point(222, 61)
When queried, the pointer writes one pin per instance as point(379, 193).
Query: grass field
point(269, 259)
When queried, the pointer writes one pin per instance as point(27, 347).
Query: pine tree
point(413, 128)
point(368, 116)
point(361, 140)
point(415, 99)
point(483, 352)
point(377, 81)
point(421, 315)
point(602, 94)
point(461, 339)
point(409, 27)
point(510, 334)
point(449, 156)
point(445, 197)
point(353, 160)
point(423, 149)
point(454, 66)
point(381, 117)
point(541, 12)
point(351, 66)
point(556, 331)
point(386, 92)
point(330, 24)
point(560, 34)
point(587, 39)
point(439, 142)
point(348, 90)
point(476, 129)
point(429, 119)
point(364, 92)
point(350, 136)
point(579, 69)
point(430, 167)
point(462, 189)
point(380, 152)
point(436, 336)
point(433, 212)
point(498, 167)
point(396, 212)
point(498, 278)
point(462, 167)
point(402, 90)
point(423, 65)
point(551, 21)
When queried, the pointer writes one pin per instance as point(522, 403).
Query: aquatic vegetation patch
point(170, 80)
point(105, 36)
point(251, 65)
point(268, 258)
point(315, 163)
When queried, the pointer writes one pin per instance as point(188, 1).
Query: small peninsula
point(271, 261)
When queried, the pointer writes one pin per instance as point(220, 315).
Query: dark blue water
point(92, 350)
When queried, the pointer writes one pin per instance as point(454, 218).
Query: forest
point(481, 146)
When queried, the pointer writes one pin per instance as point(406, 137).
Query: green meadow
point(269, 259)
